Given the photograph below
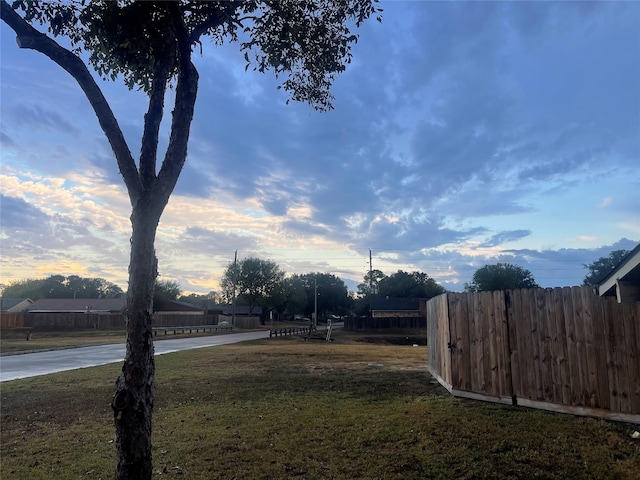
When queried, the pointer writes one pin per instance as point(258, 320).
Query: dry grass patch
point(286, 408)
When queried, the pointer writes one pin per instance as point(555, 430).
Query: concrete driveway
point(42, 363)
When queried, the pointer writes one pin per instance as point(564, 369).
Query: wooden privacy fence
point(73, 320)
point(241, 321)
point(178, 319)
point(364, 323)
point(11, 320)
point(561, 349)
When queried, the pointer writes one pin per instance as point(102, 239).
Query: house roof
point(7, 304)
point(395, 304)
point(626, 274)
point(79, 305)
point(175, 306)
point(96, 305)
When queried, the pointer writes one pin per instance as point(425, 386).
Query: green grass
point(286, 408)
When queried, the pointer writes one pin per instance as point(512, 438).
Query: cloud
point(458, 128)
point(505, 237)
point(17, 213)
point(607, 201)
point(38, 117)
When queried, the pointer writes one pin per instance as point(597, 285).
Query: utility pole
point(315, 302)
point(235, 279)
point(370, 286)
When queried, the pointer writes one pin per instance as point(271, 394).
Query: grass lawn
point(294, 409)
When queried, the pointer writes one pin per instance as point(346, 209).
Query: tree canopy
point(599, 269)
point(255, 280)
point(205, 301)
point(59, 286)
point(501, 276)
point(370, 283)
point(332, 294)
point(307, 43)
point(166, 291)
point(409, 285)
point(400, 285)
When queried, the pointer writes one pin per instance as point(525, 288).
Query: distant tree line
point(399, 285)
point(59, 286)
point(263, 283)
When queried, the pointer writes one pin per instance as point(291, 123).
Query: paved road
point(32, 364)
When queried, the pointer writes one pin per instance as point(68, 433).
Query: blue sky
point(463, 134)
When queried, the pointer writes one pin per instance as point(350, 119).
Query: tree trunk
point(133, 399)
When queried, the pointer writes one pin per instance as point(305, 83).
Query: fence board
point(630, 322)
point(612, 348)
point(536, 322)
point(460, 339)
point(590, 349)
point(438, 335)
point(465, 356)
point(543, 321)
point(588, 353)
point(555, 391)
point(475, 328)
point(635, 343)
point(514, 354)
point(491, 353)
point(601, 340)
point(522, 324)
point(504, 347)
point(621, 361)
point(562, 353)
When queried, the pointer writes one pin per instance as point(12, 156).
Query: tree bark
point(133, 399)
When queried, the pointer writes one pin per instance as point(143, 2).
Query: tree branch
point(30, 38)
point(185, 99)
point(152, 121)
point(213, 21)
point(202, 28)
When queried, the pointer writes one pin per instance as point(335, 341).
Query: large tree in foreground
point(149, 45)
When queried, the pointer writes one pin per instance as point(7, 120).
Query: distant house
point(385, 307)
point(242, 317)
point(624, 280)
point(14, 305)
point(175, 314)
point(79, 305)
point(105, 313)
point(76, 313)
point(242, 310)
point(11, 311)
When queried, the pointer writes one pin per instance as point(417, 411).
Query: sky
point(462, 134)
